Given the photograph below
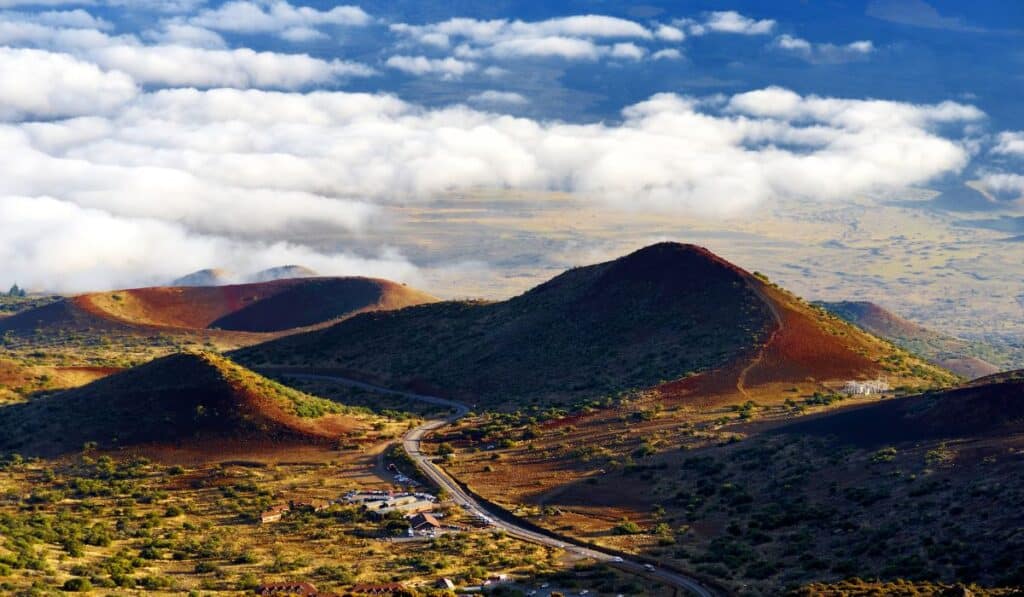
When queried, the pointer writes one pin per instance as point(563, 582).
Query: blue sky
point(159, 137)
point(924, 52)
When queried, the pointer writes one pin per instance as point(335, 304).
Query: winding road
point(412, 442)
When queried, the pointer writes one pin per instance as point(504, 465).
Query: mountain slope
point(282, 272)
point(186, 396)
point(203, 277)
point(967, 359)
point(663, 313)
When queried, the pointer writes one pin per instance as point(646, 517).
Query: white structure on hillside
point(866, 388)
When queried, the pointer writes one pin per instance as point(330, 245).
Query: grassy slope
point(173, 398)
point(969, 359)
point(658, 314)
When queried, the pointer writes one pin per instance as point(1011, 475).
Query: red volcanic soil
point(801, 349)
point(188, 397)
point(992, 408)
point(802, 346)
point(260, 307)
point(95, 371)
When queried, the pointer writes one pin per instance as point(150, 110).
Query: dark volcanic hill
point(660, 314)
point(186, 396)
point(259, 307)
point(967, 359)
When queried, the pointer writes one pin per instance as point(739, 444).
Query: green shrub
point(627, 527)
point(77, 585)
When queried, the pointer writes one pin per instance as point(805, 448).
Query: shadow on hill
point(972, 411)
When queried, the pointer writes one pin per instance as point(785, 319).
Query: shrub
point(77, 585)
point(887, 454)
point(627, 527)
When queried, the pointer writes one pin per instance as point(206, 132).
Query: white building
point(866, 388)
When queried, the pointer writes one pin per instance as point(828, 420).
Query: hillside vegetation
point(665, 313)
point(185, 396)
point(661, 313)
point(923, 488)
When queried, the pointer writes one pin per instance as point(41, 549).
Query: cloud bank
point(230, 170)
point(132, 158)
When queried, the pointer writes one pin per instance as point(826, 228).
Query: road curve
point(412, 441)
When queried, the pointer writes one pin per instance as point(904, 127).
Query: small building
point(274, 513)
point(406, 504)
point(424, 521)
point(309, 505)
point(444, 583)
point(866, 388)
point(386, 589)
point(303, 589)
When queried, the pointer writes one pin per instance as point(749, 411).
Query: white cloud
point(1003, 185)
point(628, 50)
point(667, 54)
point(175, 33)
point(76, 19)
point(570, 38)
point(489, 32)
point(448, 68)
point(180, 66)
point(492, 96)
point(727, 21)
point(302, 34)
point(669, 33)
point(824, 52)
point(57, 85)
point(59, 246)
point(188, 156)
point(295, 23)
point(163, 6)
point(1010, 143)
point(562, 47)
point(185, 59)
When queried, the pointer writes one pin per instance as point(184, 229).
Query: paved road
point(412, 442)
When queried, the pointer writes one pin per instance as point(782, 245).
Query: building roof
point(286, 588)
point(424, 518)
point(385, 589)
